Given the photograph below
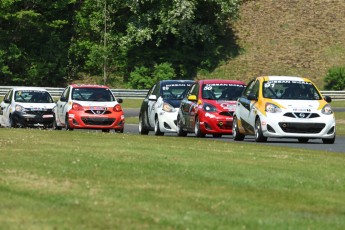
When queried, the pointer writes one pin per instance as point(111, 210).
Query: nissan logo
point(302, 115)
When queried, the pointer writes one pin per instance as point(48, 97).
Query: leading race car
point(27, 107)
point(284, 107)
point(159, 109)
point(208, 108)
point(89, 107)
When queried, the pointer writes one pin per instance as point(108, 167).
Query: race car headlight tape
point(327, 109)
point(20, 108)
point(209, 108)
point(168, 108)
point(272, 108)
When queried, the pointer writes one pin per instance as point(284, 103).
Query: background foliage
point(335, 78)
point(56, 42)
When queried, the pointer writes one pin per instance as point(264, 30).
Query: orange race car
point(89, 107)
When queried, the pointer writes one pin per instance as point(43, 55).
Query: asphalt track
point(313, 144)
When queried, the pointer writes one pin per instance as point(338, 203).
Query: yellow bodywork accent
point(191, 98)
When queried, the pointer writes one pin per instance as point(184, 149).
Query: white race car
point(159, 109)
point(27, 107)
point(284, 107)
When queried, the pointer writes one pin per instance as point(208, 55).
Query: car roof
point(163, 82)
point(286, 78)
point(221, 81)
point(28, 88)
point(88, 86)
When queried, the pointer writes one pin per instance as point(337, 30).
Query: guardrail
point(56, 92)
point(141, 93)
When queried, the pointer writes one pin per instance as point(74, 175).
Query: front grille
point(291, 127)
point(224, 124)
point(39, 116)
point(302, 115)
point(97, 111)
point(97, 121)
point(40, 113)
point(227, 113)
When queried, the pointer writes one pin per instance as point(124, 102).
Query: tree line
point(54, 42)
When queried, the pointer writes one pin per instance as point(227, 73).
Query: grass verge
point(89, 180)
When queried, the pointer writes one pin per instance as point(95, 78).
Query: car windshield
point(222, 91)
point(33, 96)
point(92, 94)
point(175, 91)
point(292, 90)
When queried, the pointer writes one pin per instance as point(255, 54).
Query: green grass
point(89, 180)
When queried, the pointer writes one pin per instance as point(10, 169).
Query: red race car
point(208, 108)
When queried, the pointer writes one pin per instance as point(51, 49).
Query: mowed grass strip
point(93, 180)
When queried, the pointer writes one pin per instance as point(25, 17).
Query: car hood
point(299, 105)
point(33, 106)
point(174, 103)
point(222, 105)
point(97, 103)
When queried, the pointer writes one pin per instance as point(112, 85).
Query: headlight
point(168, 108)
point(327, 110)
point(209, 108)
point(272, 108)
point(20, 108)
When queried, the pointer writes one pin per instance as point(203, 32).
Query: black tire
point(197, 130)
point(217, 135)
point(119, 130)
point(328, 141)
point(303, 140)
point(142, 128)
point(179, 129)
point(157, 130)
point(12, 123)
point(259, 137)
point(236, 132)
point(55, 126)
point(67, 124)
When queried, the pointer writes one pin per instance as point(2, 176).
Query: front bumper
point(167, 121)
point(281, 126)
point(85, 120)
point(215, 123)
point(33, 118)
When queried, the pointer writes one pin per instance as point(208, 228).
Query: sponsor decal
point(301, 110)
point(210, 115)
point(228, 106)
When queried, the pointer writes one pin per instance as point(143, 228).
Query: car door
point(6, 108)
point(62, 106)
point(151, 104)
point(246, 111)
point(189, 106)
point(145, 107)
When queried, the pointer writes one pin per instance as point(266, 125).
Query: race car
point(27, 107)
point(159, 109)
point(284, 107)
point(89, 107)
point(208, 108)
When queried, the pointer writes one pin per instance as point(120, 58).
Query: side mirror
point(7, 101)
point(328, 99)
point(153, 98)
point(191, 98)
point(252, 97)
point(119, 100)
point(63, 98)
